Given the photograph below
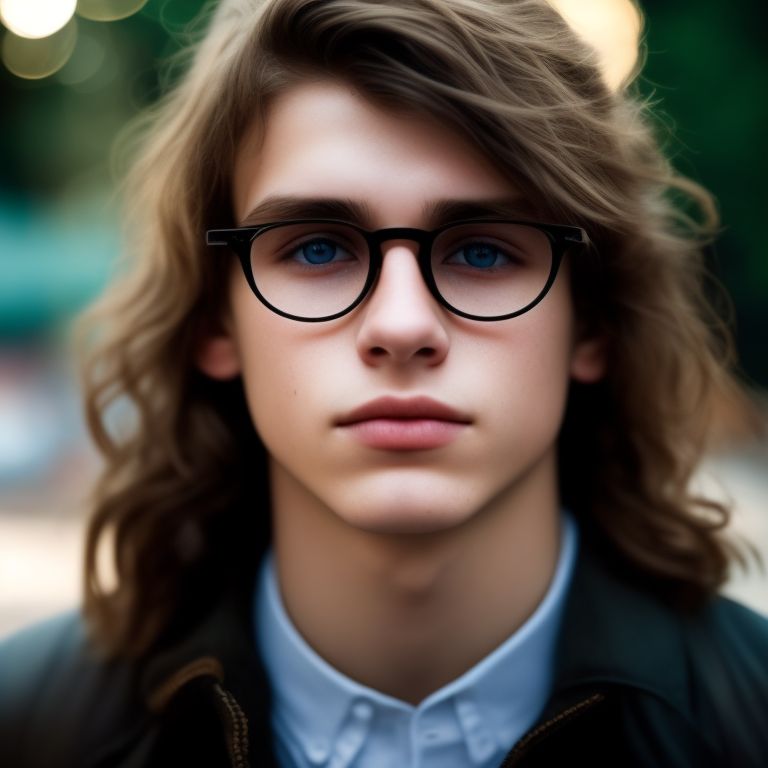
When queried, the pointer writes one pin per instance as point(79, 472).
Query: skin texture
point(401, 568)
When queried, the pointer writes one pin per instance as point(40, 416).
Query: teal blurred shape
point(50, 266)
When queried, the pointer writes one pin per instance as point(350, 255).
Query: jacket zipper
point(536, 734)
point(237, 733)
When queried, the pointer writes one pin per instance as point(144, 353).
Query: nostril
point(425, 352)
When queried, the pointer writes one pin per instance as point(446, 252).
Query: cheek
point(285, 370)
point(533, 350)
point(528, 372)
point(274, 389)
point(533, 393)
point(270, 380)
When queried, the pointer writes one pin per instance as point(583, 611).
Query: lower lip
point(405, 434)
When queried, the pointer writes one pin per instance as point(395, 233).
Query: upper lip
point(403, 408)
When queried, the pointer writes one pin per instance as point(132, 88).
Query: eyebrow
point(436, 212)
point(286, 207)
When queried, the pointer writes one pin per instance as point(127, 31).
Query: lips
point(413, 424)
point(416, 408)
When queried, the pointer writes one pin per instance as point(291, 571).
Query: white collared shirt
point(321, 717)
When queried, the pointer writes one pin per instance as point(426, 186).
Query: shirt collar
point(495, 701)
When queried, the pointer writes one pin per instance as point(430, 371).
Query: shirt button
point(468, 714)
point(362, 710)
point(317, 751)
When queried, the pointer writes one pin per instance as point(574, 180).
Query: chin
point(399, 516)
point(401, 525)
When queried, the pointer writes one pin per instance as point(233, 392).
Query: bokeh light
point(612, 28)
point(86, 62)
point(35, 58)
point(108, 10)
point(36, 18)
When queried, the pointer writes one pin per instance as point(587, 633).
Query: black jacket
point(637, 683)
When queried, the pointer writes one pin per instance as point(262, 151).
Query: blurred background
point(73, 74)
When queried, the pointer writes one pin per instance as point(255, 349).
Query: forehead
point(323, 139)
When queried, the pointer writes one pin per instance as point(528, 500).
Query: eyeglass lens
point(483, 268)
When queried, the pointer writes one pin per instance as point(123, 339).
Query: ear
point(588, 360)
point(217, 356)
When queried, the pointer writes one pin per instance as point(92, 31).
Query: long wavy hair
point(183, 498)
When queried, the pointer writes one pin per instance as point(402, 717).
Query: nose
point(402, 323)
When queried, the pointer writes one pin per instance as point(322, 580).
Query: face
point(505, 382)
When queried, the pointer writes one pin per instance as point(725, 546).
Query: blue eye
point(480, 256)
point(319, 251)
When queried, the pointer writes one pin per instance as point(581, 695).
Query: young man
point(406, 483)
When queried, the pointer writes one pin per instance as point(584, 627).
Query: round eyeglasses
point(315, 270)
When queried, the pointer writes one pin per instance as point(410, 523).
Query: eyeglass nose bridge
point(421, 237)
point(424, 240)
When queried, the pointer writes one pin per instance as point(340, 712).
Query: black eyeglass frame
point(561, 237)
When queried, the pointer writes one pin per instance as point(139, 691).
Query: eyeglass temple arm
point(576, 235)
point(217, 237)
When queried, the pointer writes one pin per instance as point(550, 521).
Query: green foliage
point(707, 62)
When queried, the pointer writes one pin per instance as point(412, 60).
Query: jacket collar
point(618, 631)
point(221, 647)
point(615, 632)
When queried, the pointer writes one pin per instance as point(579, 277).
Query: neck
point(407, 613)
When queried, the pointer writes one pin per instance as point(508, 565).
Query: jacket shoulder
point(728, 615)
point(727, 651)
point(60, 700)
point(732, 641)
point(738, 633)
point(31, 655)
point(677, 673)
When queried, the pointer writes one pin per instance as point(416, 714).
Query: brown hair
point(184, 491)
